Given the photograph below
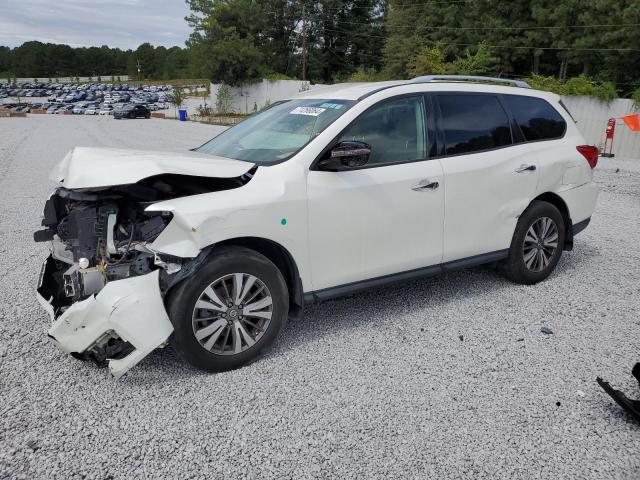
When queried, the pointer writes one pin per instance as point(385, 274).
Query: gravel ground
point(442, 378)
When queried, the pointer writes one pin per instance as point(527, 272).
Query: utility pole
point(304, 42)
point(138, 66)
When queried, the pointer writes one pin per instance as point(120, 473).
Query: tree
point(478, 63)
point(428, 61)
point(177, 99)
point(237, 41)
point(223, 99)
point(343, 37)
point(225, 42)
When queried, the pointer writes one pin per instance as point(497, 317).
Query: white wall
point(592, 116)
point(249, 98)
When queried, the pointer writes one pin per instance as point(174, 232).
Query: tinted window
point(394, 129)
point(537, 119)
point(473, 122)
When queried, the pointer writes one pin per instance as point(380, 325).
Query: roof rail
point(468, 78)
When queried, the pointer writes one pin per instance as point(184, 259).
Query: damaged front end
point(103, 285)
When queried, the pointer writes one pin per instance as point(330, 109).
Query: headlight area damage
point(102, 285)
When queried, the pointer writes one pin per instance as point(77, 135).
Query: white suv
point(337, 190)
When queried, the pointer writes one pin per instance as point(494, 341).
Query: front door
point(385, 217)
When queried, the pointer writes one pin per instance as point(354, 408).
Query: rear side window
point(473, 123)
point(537, 119)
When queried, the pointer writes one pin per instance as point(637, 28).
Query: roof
point(356, 91)
point(348, 91)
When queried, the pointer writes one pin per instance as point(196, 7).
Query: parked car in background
point(105, 110)
point(91, 110)
point(131, 111)
point(64, 109)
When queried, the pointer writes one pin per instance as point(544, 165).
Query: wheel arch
point(282, 259)
point(557, 201)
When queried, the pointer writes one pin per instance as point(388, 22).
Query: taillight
point(590, 153)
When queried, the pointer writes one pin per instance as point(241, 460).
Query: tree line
point(237, 41)
point(597, 39)
point(46, 60)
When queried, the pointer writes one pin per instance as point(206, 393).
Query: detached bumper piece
point(118, 326)
point(632, 407)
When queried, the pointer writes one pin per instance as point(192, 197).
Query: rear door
point(489, 177)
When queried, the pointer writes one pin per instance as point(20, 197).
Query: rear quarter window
point(537, 119)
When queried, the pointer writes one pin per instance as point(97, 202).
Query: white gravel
point(443, 378)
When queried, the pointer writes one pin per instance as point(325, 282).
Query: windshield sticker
point(311, 111)
point(335, 106)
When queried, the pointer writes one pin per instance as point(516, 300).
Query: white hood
point(85, 167)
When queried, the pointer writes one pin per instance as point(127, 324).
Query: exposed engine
point(100, 235)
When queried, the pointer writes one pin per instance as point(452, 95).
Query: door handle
point(425, 185)
point(525, 168)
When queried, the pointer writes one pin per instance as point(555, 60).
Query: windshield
point(276, 133)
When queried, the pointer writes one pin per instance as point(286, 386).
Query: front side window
point(278, 132)
point(537, 119)
point(393, 129)
point(473, 123)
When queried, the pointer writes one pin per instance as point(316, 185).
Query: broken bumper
point(130, 310)
point(632, 407)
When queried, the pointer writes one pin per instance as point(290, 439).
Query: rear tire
point(229, 334)
point(537, 244)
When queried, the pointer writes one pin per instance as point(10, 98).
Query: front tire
point(537, 244)
point(230, 311)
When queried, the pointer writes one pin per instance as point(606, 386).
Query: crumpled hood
point(85, 167)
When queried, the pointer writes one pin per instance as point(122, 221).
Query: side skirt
point(355, 287)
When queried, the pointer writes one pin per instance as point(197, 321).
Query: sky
point(116, 23)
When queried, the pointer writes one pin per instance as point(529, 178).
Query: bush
point(205, 111)
point(274, 77)
point(576, 86)
point(636, 99)
point(365, 75)
point(473, 64)
point(428, 61)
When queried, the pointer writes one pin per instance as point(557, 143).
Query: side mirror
point(345, 156)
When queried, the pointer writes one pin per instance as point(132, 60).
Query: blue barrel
point(182, 115)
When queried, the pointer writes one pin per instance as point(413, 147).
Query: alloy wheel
point(540, 244)
point(232, 314)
